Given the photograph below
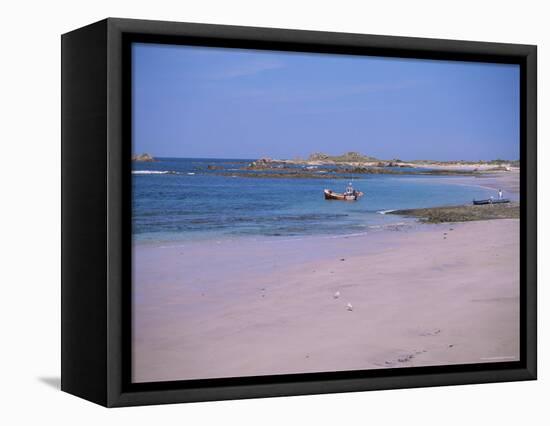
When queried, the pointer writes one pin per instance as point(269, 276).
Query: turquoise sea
point(178, 199)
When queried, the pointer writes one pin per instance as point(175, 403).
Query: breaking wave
point(153, 172)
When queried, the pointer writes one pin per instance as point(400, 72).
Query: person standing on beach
point(500, 194)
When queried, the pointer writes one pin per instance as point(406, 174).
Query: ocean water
point(177, 199)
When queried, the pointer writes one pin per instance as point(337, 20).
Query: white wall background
point(30, 210)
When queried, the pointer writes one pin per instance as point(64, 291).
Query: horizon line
point(297, 158)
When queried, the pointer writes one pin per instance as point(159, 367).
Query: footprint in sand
point(405, 358)
point(431, 333)
point(401, 359)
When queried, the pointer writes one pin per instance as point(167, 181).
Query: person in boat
point(350, 190)
point(500, 194)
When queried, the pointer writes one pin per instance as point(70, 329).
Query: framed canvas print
point(252, 212)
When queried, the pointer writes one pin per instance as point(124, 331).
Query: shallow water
point(181, 199)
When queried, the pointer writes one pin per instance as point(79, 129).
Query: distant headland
point(321, 165)
point(356, 158)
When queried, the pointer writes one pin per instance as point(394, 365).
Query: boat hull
point(330, 195)
point(490, 201)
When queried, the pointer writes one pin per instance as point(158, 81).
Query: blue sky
point(236, 103)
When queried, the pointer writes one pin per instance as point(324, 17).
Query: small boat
point(331, 195)
point(491, 201)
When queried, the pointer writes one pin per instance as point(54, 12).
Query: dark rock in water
point(463, 213)
point(273, 169)
point(148, 158)
point(212, 167)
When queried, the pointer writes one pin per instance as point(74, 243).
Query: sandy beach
point(507, 181)
point(418, 295)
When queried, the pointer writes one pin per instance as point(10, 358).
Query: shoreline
point(420, 294)
point(508, 181)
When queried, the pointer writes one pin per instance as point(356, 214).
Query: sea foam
point(153, 172)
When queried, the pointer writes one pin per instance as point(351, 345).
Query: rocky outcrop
point(348, 157)
point(263, 163)
point(146, 158)
point(465, 213)
point(318, 156)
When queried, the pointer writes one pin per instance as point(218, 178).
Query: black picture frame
point(96, 212)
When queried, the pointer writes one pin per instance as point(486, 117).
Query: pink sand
point(430, 295)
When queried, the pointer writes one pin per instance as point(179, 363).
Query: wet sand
point(420, 295)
